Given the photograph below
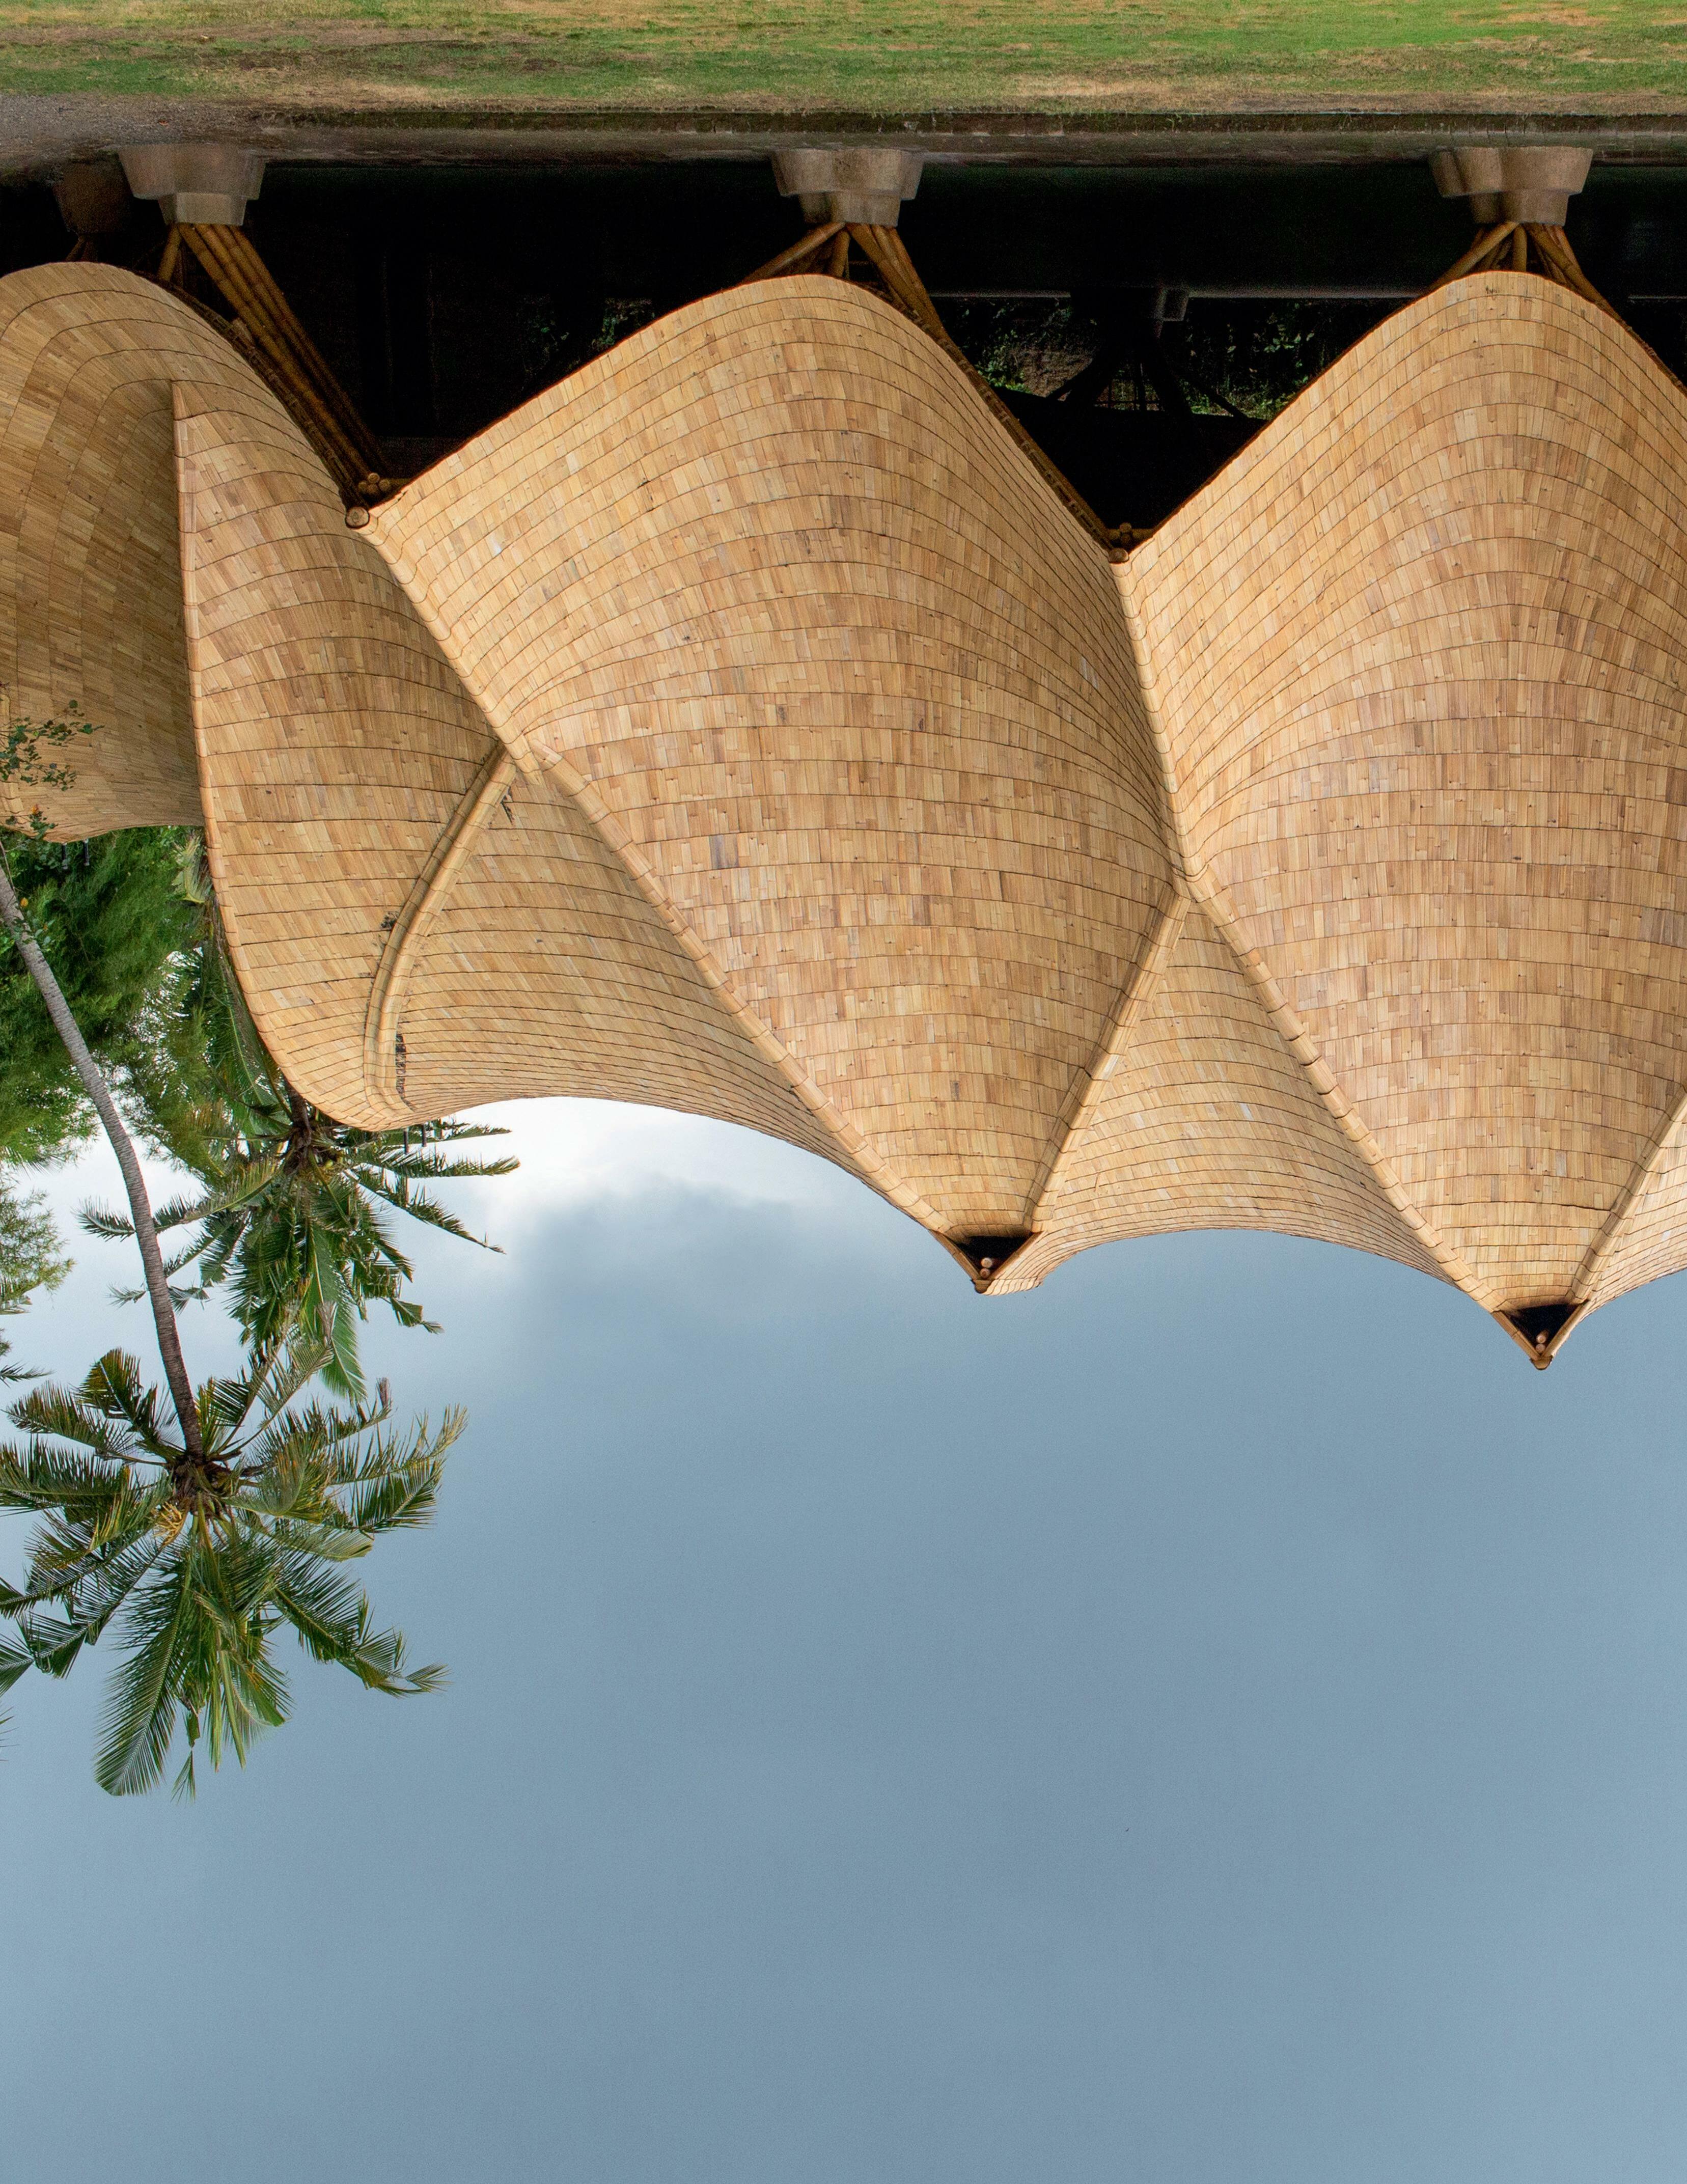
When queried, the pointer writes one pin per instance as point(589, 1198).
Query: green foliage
point(288, 1215)
point(29, 1255)
point(201, 1563)
point(1247, 357)
point(290, 1219)
point(23, 760)
point(1259, 356)
point(29, 1260)
point(556, 338)
point(111, 922)
point(203, 1528)
point(1022, 346)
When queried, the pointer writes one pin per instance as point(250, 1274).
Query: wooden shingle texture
point(745, 726)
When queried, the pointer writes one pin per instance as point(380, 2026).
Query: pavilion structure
point(750, 724)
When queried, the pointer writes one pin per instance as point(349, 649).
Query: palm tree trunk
point(140, 1206)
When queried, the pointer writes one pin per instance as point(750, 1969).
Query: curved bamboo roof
point(746, 725)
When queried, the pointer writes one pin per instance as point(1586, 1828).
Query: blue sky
point(1220, 1717)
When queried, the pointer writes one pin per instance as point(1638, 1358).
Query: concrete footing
point(866, 187)
point(199, 185)
point(1530, 183)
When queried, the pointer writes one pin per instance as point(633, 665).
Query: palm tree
point(202, 1542)
point(203, 1555)
point(290, 1208)
point(290, 1217)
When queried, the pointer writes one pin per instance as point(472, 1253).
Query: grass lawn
point(1602, 56)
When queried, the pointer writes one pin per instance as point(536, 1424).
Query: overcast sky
point(1218, 1718)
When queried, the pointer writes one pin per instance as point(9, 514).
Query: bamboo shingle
point(90, 589)
point(1418, 666)
point(746, 725)
point(768, 597)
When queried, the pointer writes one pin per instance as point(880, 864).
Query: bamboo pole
point(908, 293)
point(281, 370)
point(241, 251)
point(227, 256)
point(896, 250)
point(1476, 256)
point(1554, 246)
point(260, 285)
point(350, 448)
point(797, 255)
point(911, 295)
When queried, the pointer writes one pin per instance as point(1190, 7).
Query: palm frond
point(90, 1587)
point(56, 1413)
point(178, 1297)
point(380, 1663)
point(320, 1434)
point(40, 1477)
point(329, 1313)
point(115, 1389)
point(329, 1613)
point(332, 1618)
point(428, 1211)
point(337, 1541)
point(230, 1680)
point(241, 1181)
point(409, 1313)
point(181, 1212)
point(54, 1643)
point(105, 1220)
point(138, 1722)
point(13, 1375)
point(15, 1661)
point(223, 1405)
point(402, 1493)
point(272, 1380)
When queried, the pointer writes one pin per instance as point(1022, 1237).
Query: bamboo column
point(306, 381)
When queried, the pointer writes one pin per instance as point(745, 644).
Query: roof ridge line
point(1604, 1244)
point(431, 890)
point(1208, 893)
point(871, 1166)
point(1177, 834)
point(1146, 974)
point(1214, 899)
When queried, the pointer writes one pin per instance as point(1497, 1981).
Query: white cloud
point(574, 1151)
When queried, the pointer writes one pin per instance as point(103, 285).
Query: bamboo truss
point(746, 725)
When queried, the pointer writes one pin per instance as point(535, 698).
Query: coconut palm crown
point(290, 1216)
point(202, 1558)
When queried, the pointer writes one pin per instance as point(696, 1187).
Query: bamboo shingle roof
point(746, 725)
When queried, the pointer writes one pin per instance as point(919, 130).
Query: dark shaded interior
point(1538, 1323)
point(1132, 465)
point(1141, 322)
